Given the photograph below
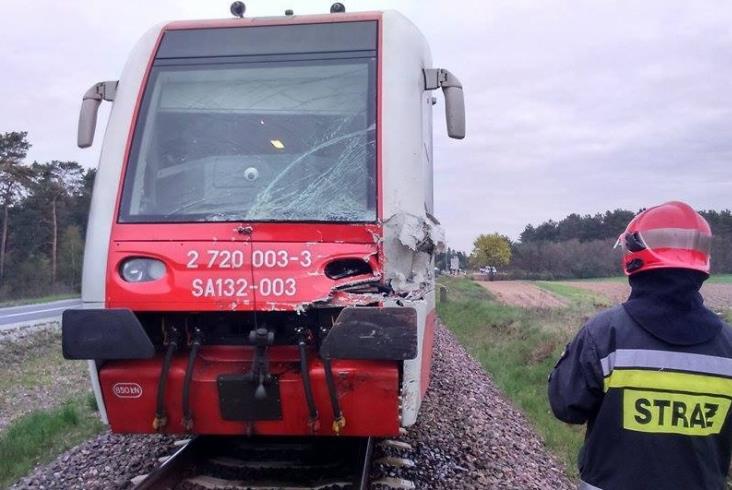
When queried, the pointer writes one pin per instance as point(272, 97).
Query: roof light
point(237, 9)
point(277, 144)
point(337, 8)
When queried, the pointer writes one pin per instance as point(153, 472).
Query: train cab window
point(255, 141)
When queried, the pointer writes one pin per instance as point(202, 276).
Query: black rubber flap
point(104, 334)
point(237, 400)
point(372, 333)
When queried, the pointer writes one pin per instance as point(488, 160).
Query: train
point(259, 257)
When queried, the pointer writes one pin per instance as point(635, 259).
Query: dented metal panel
point(376, 333)
point(410, 243)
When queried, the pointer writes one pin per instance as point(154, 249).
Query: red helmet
point(671, 235)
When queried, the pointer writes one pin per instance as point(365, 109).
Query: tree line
point(580, 246)
point(607, 226)
point(44, 208)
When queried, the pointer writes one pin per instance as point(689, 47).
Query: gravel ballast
point(109, 461)
point(468, 436)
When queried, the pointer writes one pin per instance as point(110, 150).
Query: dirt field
point(716, 296)
point(520, 293)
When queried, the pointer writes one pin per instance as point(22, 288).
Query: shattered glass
point(279, 141)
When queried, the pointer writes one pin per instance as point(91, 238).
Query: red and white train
point(259, 255)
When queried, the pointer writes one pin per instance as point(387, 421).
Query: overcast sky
point(572, 106)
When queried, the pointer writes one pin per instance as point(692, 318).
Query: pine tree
point(14, 179)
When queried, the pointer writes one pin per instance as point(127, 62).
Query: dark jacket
point(653, 381)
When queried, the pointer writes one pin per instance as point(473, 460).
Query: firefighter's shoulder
point(600, 327)
point(595, 339)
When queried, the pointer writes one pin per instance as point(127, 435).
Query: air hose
point(161, 420)
point(187, 415)
point(304, 370)
point(339, 421)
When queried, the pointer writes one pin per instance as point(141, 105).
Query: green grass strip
point(573, 293)
point(565, 291)
point(41, 435)
point(720, 279)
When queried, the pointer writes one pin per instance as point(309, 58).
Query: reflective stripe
point(659, 359)
point(670, 381)
point(608, 364)
point(586, 486)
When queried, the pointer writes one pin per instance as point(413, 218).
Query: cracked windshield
point(279, 141)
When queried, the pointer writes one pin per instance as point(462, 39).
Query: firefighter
point(652, 378)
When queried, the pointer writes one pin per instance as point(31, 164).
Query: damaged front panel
point(372, 333)
point(410, 243)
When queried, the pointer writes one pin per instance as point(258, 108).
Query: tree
point(80, 202)
point(491, 250)
point(55, 183)
point(14, 178)
point(71, 253)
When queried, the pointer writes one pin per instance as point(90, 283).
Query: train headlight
point(142, 270)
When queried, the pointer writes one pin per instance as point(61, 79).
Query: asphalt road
point(14, 315)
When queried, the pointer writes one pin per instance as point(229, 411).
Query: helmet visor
point(675, 238)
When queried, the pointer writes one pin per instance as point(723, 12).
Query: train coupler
point(262, 339)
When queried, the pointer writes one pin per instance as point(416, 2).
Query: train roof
point(275, 20)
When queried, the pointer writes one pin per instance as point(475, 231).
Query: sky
point(572, 106)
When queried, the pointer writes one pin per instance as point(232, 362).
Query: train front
point(241, 275)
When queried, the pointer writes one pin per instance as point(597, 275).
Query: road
point(15, 315)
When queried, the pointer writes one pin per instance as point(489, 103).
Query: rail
point(258, 463)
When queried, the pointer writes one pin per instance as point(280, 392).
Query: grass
point(41, 299)
point(34, 375)
point(35, 369)
point(41, 435)
point(519, 348)
point(601, 279)
point(574, 294)
point(720, 279)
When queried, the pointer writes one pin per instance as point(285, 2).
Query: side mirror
point(89, 108)
point(452, 90)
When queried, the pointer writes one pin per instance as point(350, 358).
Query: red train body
point(259, 254)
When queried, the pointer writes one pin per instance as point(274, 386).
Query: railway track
point(287, 463)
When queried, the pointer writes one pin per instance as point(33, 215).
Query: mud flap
point(104, 334)
point(372, 333)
